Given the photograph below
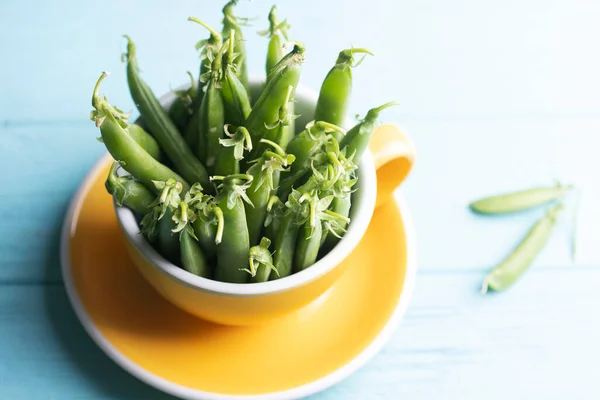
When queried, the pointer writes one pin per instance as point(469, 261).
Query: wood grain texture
point(452, 342)
point(496, 95)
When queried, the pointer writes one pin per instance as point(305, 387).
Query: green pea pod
point(128, 192)
point(336, 89)
point(210, 124)
point(519, 201)
point(206, 234)
point(273, 217)
point(192, 257)
point(124, 148)
point(307, 248)
point(263, 184)
point(145, 140)
point(235, 96)
point(357, 139)
point(513, 267)
point(228, 159)
point(304, 147)
point(234, 246)
point(281, 131)
point(265, 112)
point(341, 188)
point(275, 53)
point(208, 220)
point(340, 206)
point(208, 48)
point(309, 142)
point(168, 242)
point(285, 246)
point(260, 262)
point(233, 22)
point(275, 32)
point(191, 134)
point(161, 126)
point(182, 108)
point(137, 133)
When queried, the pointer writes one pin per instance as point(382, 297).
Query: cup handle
point(394, 156)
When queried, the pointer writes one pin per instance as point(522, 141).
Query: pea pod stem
point(519, 200)
point(516, 263)
point(212, 32)
point(159, 123)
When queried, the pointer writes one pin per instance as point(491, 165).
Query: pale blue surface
point(496, 95)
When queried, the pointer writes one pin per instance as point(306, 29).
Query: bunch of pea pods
point(228, 189)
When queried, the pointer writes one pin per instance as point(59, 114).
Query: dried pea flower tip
point(183, 217)
point(233, 187)
point(149, 224)
point(240, 140)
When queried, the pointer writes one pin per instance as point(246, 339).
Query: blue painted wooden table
point(496, 95)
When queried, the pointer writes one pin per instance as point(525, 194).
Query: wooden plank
point(43, 165)
point(46, 354)
point(451, 58)
point(539, 339)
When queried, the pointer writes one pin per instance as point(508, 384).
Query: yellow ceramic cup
point(381, 171)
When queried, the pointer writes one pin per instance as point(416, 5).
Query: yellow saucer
point(292, 357)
